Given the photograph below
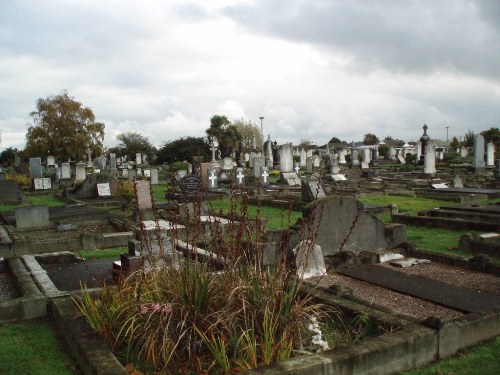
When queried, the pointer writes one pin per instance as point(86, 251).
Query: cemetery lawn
point(159, 191)
point(34, 199)
point(480, 360)
point(32, 348)
point(277, 218)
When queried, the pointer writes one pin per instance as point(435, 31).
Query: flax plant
point(193, 318)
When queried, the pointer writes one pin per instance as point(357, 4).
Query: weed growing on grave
point(210, 312)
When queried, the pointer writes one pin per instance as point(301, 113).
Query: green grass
point(410, 205)
point(435, 239)
point(481, 360)
point(112, 253)
point(32, 348)
point(35, 199)
point(277, 218)
point(159, 191)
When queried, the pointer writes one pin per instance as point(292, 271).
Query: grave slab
point(465, 300)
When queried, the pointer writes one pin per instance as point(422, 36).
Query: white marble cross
point(240, 176)
point(264, 175)
point(297, 168)
point(212, 179)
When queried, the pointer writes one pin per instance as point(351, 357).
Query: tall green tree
point(492, 135)
point(248, 132)
point(64, 128)
point(132, 143)
point(226, 134)
point(184, 149)
point(469, 139)
point(370, 139)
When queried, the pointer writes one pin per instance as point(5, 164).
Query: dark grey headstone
point(311, 190)
point(10, 191)
point(190, 185)
point(36, 168)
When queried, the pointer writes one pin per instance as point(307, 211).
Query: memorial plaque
point(190, 184)
point(38, 183)
point(291, 178)
point(103, 190)
point(47, 183)
point(147, 173)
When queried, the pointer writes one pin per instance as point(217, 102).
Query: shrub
point(24, 181)
point(179, 165)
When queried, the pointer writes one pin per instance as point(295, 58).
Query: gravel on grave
point(8, 289)
point(411, 306)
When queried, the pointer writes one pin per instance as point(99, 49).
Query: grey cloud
point(418, 37)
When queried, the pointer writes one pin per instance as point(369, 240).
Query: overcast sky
point(313, 69)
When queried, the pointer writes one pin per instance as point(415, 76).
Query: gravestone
point(365, 165)
point(32, 217)
point(309, 165)
point(227, 163)
point(196, 165)
point(290, 178)
point(125, 173)
point(42, 183)
point(457, 182)
point(401, 159)
point(147, 173)
point(58, 173)
point(430, 158)
point(138, 172)
point(341, 224)
point(131, 175)
point(354, 158)
point(478, 152)
point(309, 260)
point(112, 162)
point(490, 154)
point(51, 161)
point(286, 158)
point(258, 163)
point(10, 192)
point(311, 190)
point(153, 177)
point(342, 154)
point(303, 156)
point(339, 177)
point(297, 168)
point(138, 158)
point(367, 155)
point(212, 179)
point(103, 190)
point(80, 172)
point(65, 171)
point(239, 178)
point(264, 176)
point(180, 174)
point(204, 167)
point(392, 153)
point(316, 161)
point(36, 168)
point(143, 193)
point(464, 152)
point(190, 186)
point(89, 158)
point(335, 165)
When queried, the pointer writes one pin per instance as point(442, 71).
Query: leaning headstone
point(212, 179)
point(312, 190)
point(36, 168)
point(479, 152)
point(290, 178)
point(309, 260)
point(401, 159)
point(264, 176)
point(32, 217)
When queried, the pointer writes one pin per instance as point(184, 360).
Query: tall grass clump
point(209, 315)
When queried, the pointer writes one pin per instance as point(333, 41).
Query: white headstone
point(490, 154)
point(309, 260)
point(286, 158)
point(103, 190)
point(80, 172)
point(430, 158)
point(303, 156)
point(138, 158)
point(65, 171)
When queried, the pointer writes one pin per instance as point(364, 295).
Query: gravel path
point(412, 306)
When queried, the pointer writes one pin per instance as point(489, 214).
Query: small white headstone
point(103, 190)
point(309, 260)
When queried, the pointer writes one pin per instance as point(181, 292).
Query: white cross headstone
point(297, 168)
point(239, 176)
point(212, 179)
point(264, 175)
